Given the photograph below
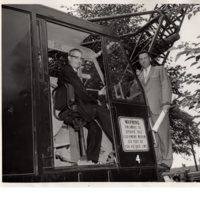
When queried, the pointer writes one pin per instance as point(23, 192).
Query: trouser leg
point(163, 150)
point(93, 141)
point(103, 118)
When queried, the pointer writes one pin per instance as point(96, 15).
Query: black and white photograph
point(100, 92)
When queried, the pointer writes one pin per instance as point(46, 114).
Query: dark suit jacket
point(86, 103)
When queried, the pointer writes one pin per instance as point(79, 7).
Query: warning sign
point(133, 134)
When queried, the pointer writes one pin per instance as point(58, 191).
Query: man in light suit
point(157, 88)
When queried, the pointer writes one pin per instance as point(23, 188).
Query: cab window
point(68, 144)
point(123, 81)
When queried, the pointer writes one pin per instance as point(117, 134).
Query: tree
point(182, 138)
point(191, 52)
point(185, 131)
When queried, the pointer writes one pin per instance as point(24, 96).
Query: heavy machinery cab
point(108, 85)
point(37, 145)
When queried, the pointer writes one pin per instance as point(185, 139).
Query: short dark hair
point(144, 51)
point(75, 49)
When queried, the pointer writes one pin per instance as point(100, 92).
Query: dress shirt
point(146, 73)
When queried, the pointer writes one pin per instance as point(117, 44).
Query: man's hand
point(102, 91)
point(166, 108)
point(99, 102)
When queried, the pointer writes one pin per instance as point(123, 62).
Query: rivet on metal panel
point(109, 175)
point(11, 109)
point(79, 176)
point(138, 159)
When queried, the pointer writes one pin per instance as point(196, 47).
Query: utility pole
point(193, 153)
point(192, 149)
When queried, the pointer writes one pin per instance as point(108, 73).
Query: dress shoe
point(163, 167)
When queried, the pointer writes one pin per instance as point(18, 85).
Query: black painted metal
point(17, 94)
point(130, 174)
point(50, 14)
point(123, 16)
point(129, 158)
point(45, 138)
point(27, 137)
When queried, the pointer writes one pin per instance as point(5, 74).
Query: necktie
point(145, 75)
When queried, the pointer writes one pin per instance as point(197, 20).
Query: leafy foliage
point(183, 128)
point(193, 9)
point(191, 52)
point(185, 131)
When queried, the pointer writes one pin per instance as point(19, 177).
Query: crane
point(157, 36)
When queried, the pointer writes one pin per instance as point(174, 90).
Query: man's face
point(75, 59)
point(144, 60)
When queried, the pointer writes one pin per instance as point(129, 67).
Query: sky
point(189, 32)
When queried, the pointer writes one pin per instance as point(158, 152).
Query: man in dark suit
point(87, 106)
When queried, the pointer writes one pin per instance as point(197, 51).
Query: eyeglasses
point(77, 57)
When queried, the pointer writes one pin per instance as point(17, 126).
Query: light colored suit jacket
point(157, 88)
